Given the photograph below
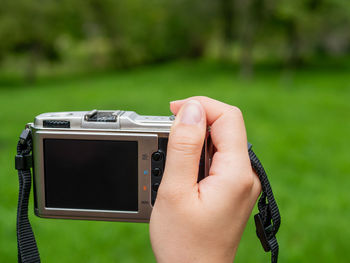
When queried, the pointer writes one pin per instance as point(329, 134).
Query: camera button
point(157, 156)
point(155, 187)
point(156, 171)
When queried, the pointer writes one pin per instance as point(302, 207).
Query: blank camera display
point(91, 174)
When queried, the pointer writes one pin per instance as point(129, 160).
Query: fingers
point(213, 107)
point(184, 147)
point(227, 126)
point(230, 163)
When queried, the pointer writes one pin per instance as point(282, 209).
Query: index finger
point(226, 122)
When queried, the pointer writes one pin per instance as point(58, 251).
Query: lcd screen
point(91, 174)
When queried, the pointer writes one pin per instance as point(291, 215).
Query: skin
point(203, 222)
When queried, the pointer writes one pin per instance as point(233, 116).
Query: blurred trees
point(99, 34)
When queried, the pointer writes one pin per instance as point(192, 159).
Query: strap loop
point(263, 233)
point(23, 162)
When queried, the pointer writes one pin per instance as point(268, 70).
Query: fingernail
point(192, 113)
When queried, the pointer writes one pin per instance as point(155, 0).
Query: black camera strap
point(267, 221)
point(26, 244)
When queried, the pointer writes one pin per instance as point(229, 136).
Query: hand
point(203, 222)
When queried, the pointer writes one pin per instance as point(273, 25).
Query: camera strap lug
point(26, 243)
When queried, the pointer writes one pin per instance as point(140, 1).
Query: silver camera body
point(100, 165)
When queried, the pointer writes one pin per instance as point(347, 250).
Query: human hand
point(203, 222)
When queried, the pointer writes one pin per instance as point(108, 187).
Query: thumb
point(184, 147)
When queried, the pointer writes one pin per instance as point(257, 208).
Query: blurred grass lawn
point(299, 124)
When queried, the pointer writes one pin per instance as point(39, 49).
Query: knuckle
point(204, 98)
point(185, 147)
point(256, 185)
point(257, 188)
point(201, 98)
point(185, 142)
point(247, 183)
point(235, 112)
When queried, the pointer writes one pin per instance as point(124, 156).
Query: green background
point(284, 63)
point(298, 122)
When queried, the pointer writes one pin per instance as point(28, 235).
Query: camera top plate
point(103, 119)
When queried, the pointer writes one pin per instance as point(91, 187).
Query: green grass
point(298, 122)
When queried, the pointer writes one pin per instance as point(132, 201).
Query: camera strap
point(267, 221)
point(26, 244)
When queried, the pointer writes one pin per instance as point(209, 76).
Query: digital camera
point(100, 165)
